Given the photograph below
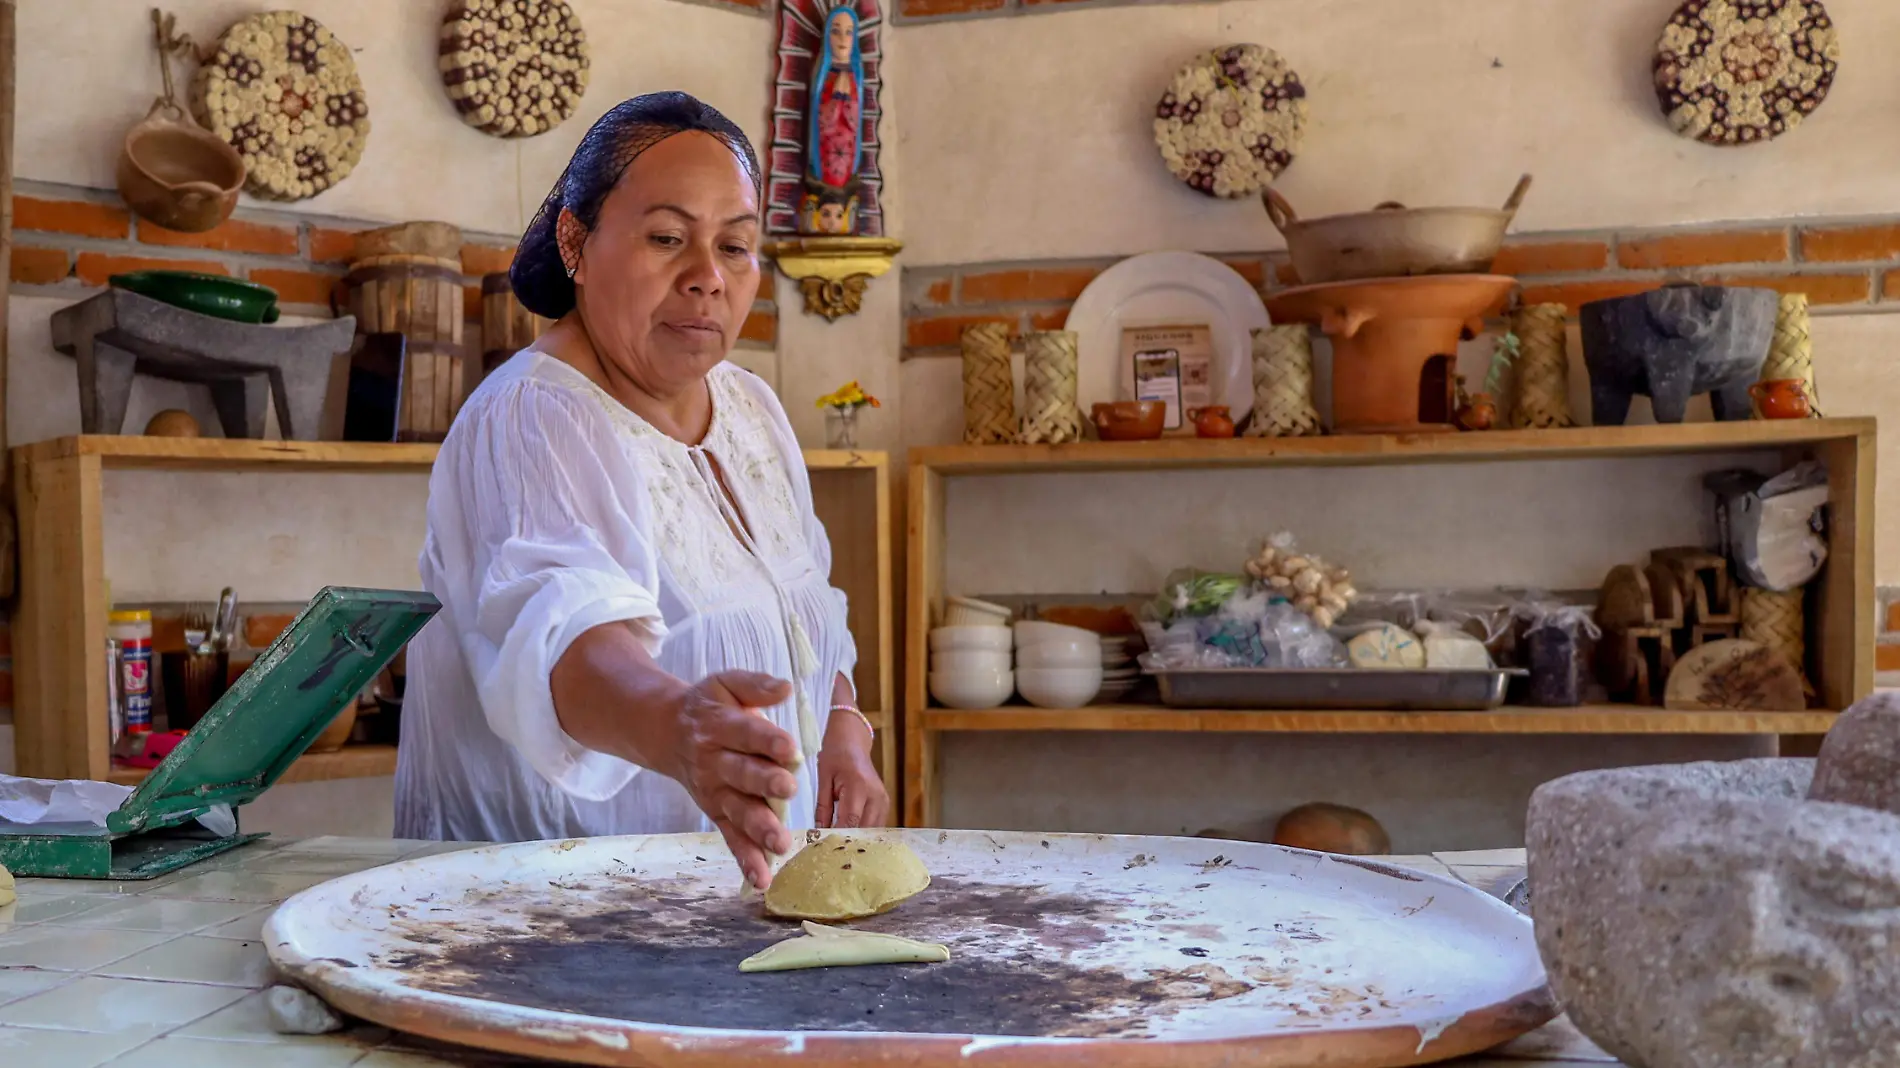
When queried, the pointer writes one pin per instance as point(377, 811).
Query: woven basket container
point(1283, 383)
point(989, 389)
point(1791, 353)
point(1778, 620)
point(1542, 396)
point(1050, 415)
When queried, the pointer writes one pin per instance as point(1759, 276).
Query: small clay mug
point(1782, 398)
point(1211, 421)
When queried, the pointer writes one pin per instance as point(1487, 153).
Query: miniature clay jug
point(1211, 421)
point(1782, 398)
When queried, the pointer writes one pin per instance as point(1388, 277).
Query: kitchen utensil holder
point(1283, 383)
point(1050, 415)
point(989, 387)
point(1542, 397)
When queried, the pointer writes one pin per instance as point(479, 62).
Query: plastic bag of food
point(1312, 585)
point(1487, 615)
point(1557, 643)
point(1294, 639)
point(1400, 608)
point(1192, 593)
point(1449, 647)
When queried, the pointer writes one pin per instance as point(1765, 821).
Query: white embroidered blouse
point(553, 509)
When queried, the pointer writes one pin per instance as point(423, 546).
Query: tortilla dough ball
point(844, 878)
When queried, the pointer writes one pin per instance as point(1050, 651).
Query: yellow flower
point(849, 395)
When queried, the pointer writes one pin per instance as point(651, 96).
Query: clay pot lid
point(1436, 296)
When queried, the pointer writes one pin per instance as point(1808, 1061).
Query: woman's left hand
point(850, 793)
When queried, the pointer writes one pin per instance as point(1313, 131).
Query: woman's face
point(839, 32)
point(669, 271)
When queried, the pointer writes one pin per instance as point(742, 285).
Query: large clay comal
point(1721, 916)
point(1673, 343)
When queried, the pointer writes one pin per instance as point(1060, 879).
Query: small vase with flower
point(841, 414)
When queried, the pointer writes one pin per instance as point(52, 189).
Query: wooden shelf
point(230, 454)
point(1590, 719)
point(349, 762)
point(1377, 449)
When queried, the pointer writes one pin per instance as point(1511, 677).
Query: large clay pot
point(1392, 341)
point(1393, 240)
point(178, 174)
point(1673, 343)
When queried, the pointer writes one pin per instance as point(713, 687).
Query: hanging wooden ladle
point(172, 171)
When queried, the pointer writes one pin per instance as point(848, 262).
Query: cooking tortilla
point(835, 947)
point(844, 878)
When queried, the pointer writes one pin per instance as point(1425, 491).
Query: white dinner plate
point(1166, 289)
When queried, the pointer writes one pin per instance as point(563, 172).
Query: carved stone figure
point(1714, 916)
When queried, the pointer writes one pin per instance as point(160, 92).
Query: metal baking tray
point(1330, 689)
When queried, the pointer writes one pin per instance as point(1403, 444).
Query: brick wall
point(1843, 266)
point(1887, 640)
point(70, 240)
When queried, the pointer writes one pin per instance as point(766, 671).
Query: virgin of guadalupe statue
point(834, 133)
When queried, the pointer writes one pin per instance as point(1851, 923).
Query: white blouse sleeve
point(542, 530)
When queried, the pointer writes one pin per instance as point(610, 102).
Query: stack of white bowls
point(970, 655)
point(1057, 666)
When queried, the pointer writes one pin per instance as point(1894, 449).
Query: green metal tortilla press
point(321, 662)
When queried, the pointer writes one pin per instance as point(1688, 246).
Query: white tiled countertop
point(170, 972)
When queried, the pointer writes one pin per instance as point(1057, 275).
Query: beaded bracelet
point(862, 718)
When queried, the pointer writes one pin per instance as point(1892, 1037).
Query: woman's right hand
point(733, 762)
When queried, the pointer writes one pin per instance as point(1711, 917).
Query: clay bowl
point(337, 734)
point(1392, 240)
point(177, 174)
point(1129, 420)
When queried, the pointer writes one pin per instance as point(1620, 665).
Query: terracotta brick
point(927, 8)
point(297, 287)
point(939, 291)
point(1049, 320)
point(94, 268)
point(760, 326)
point(1851, 244)
point(1254, 271)
point(1820, 288)
point(1577, 294)
point(260, 631)
point(1002, 287)
point(233, 235)
point(331, 246)
point(1887, 658)
point(1552, 257)
point(75, 217)
point(479, 260)
point(1701, 250)
point(41, 266)
point(1284, 274)
point(1893, 618)
point(945, 330)
point(752, 5)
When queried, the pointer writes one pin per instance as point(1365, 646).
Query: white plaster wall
point(1030, 138)
point(88, 71)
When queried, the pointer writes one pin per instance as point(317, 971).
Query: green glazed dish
point(206, 294)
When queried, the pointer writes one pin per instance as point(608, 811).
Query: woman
point(635, 605)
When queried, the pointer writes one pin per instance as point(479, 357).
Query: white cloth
point(553, 509)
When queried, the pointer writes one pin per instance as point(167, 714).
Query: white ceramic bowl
point(1034, 632)
point(983, 662)
point(971, 639)
point(972, 689)
point(1059, 687)
point(970, 612)
point(1059, 653)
